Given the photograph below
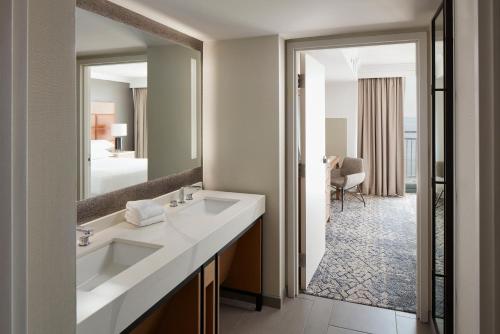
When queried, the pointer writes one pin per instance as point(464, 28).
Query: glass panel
point(438, 309)
point(442, 224)
point(439, 230)
point(439, 53)
point(439, 153)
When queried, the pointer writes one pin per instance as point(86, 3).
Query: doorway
point(369, 118)
point(294, 48)
point(112, 136)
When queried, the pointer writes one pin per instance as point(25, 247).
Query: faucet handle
point(189, 195)
point(86, 231)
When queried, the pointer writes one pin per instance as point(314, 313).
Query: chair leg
point(362, 197)
point(343, 193)
point(439, 197)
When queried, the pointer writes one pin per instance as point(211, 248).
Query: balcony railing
point(410, 142)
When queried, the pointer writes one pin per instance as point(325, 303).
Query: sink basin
point(208, 206)
point(102, 264)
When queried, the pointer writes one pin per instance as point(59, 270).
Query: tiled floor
point(316, 315)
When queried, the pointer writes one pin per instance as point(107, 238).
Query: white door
point(312, 182)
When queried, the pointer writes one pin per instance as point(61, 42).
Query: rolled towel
point(143, 209)
point(145, 222)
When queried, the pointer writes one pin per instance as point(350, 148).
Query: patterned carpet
point(371, 254)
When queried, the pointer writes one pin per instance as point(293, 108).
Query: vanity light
point(119, 130)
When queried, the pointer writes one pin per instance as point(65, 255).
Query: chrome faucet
point(84, 240)
point(181, 196)
point(189, 196)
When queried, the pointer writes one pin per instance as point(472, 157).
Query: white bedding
point(109, 174)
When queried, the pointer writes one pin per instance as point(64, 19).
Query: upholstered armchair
point(349, 176)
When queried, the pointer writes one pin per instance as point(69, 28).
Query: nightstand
point(124, 154)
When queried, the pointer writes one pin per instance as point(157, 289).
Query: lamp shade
point(119, 129)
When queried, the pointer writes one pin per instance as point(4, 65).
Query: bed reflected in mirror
point(139, 106)
point(118, 131)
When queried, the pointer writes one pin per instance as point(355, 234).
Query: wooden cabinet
point(177, 313)
point(241, 265)
point(193, 308)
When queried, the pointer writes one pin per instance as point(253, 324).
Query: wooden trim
point(217, 295)
point(209, 298)
point(124, 15)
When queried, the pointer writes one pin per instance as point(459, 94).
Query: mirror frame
point(99, 206)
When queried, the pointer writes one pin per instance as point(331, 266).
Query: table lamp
point(119, 130)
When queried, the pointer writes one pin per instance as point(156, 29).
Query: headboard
point(102, 117)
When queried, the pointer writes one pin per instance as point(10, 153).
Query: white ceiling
point(226, 19)
point(131, 73)
point(387, 54)
point(347, 64)
point(97, 35)
point(336, 65)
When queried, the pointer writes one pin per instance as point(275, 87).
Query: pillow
point(100, 149)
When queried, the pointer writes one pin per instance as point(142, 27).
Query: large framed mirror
point(139, 102)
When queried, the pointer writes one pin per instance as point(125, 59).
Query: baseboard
point(274, 302)
point(246, 301)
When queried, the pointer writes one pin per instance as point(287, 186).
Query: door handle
point(325, 159)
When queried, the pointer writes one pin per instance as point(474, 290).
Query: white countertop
point(186, 246)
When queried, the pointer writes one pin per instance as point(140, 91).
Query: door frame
point(294, 46)
point(83, 112)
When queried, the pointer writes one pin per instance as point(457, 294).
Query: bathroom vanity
point(167, 277)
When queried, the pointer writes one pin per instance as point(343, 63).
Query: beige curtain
point(380, 135)
point(140, 96)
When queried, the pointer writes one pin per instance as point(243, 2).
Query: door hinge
point(302, 170)
point(301, 81)
point(302, 260)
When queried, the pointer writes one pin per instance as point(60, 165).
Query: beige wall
point(40, 124)
point(120, 94)
point(477, 236)
point(6, 99)
point(336, 137)
point(489, 182)
point(342, 102)
point(466, 169)
point(39, 120)
point(51, 167)
point(169, 110)
point(243, 127)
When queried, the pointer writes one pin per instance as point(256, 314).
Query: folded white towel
point(143, 209)
point(145, 222)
